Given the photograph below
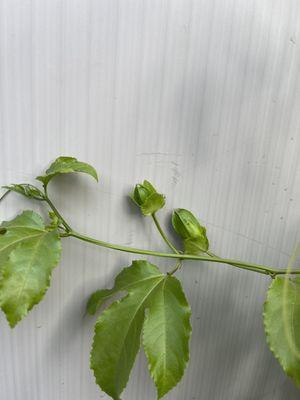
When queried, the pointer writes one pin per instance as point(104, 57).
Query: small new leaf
point(55, 221)
point(282, 324)
point(28, 254)
point(66, 165)
point(118, 330)
point(26, 190)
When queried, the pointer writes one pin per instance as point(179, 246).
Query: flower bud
point(189, 229)
point(185, 224)
point(147, 198)
point(142, 192)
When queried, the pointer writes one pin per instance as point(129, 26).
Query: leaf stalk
point(163, 235)
point(55, 210)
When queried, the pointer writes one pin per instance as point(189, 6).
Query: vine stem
point(235, 265)
point(177, 266)
point(261, 269)
point(163, 235)
point(172, 247)
point(55, 210)
point(239, 264)
point(4, 195)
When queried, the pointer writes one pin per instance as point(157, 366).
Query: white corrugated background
point(201, 97)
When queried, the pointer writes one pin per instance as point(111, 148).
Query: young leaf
point(282, 324)
point(26, 190)
point(54, 221)
point(118, 330)
point(28, 253)
point(166, 334)
point(66, 165)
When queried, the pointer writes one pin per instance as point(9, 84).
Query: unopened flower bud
point(185, 224)
point(189, 229)
point(147, 198)
point(142, 192)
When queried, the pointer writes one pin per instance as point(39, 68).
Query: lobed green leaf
point(139, 272)
point(118, 330)
point(117, 340)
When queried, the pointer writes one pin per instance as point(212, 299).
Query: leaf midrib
point(164, 353)
point(165, 328)
point(135, 313)
point(114, 290)
point(32, 228)
point(35, 249)
point(141, 281)
point(21, 240)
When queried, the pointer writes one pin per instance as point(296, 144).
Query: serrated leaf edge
point(268, 340)
point(24, 314)
point(188, 338)
point(113, 305)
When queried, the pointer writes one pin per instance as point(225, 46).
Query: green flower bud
point(142, 192)
point(147, 198)
point(189, 229)
point(185, 224)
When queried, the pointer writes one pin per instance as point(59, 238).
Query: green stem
point(55, 210)
point(163, 235)
point(177, 266)
point(167, 241)
point(210, 258)
point(239, 264)
point(4, 195)
point(235, 265)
